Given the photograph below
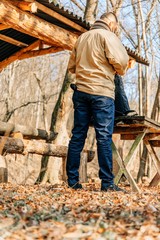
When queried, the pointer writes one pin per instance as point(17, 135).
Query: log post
point(26, 131)
point(23, 146)
point(64, 175)
point(3, 170)
point(83, 167)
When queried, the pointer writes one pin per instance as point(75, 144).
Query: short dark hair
point(106, 15)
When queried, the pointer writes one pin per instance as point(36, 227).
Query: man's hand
point(131, 62)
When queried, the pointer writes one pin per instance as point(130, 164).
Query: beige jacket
point(97, 55)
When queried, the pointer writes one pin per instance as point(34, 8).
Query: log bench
point(23, 140)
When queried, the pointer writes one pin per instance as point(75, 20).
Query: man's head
point(112, 21)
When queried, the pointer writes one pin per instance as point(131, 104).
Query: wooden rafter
point(3, 26)
point(25, 6)
point(34, 6)
point(12, 41)
point(35, 53)
point(35, 27)
point(15, 56)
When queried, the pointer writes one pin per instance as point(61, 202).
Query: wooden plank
point(128, 136)
point(23, 146)
point(129, 129)
point(35, 27)
point(16, 55)
point(152, 136)
point(139, 120)
point(40, 52)
point(3, 26)
point(130, 155)
point(12, 41)
point(124, 170)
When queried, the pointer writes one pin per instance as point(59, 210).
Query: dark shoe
point(113, 188)
point(76, 186)
point(131, 113)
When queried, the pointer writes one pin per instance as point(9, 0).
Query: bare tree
point(91, 11)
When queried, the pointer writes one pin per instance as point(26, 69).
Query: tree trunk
point(50, 166)
point(91, 11)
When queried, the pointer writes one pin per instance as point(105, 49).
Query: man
point(97, 56)
point(122, 107)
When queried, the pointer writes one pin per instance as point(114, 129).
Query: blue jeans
point(102, 110)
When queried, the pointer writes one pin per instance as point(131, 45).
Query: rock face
point(29, 90)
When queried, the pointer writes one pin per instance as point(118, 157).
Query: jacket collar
point(100, 24)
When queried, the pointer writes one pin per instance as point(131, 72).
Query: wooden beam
point(34, 6)
point(22, 146)
point(38, 28)
point(40, 52)
point(16, 55)
point(12, 41)
point(128, 136)
point(154, 143)
point(152, 136)
point(25, 6)
point(128, 129)
point(59, 17)
point(26, 131)
point(3, 26)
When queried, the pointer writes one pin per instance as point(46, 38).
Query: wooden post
point(83, 167)
point(3, 170)
point(64, 175)
point(154, 156)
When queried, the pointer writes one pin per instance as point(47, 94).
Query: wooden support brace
point(130, 155)
point(124, 170)
point(154, 156)
point(3, 26)
point(40, 52)
point(12, 41)
point(155, 181)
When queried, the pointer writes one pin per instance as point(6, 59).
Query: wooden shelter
point(32, 28)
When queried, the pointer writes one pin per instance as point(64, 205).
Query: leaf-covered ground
point(45, 212)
